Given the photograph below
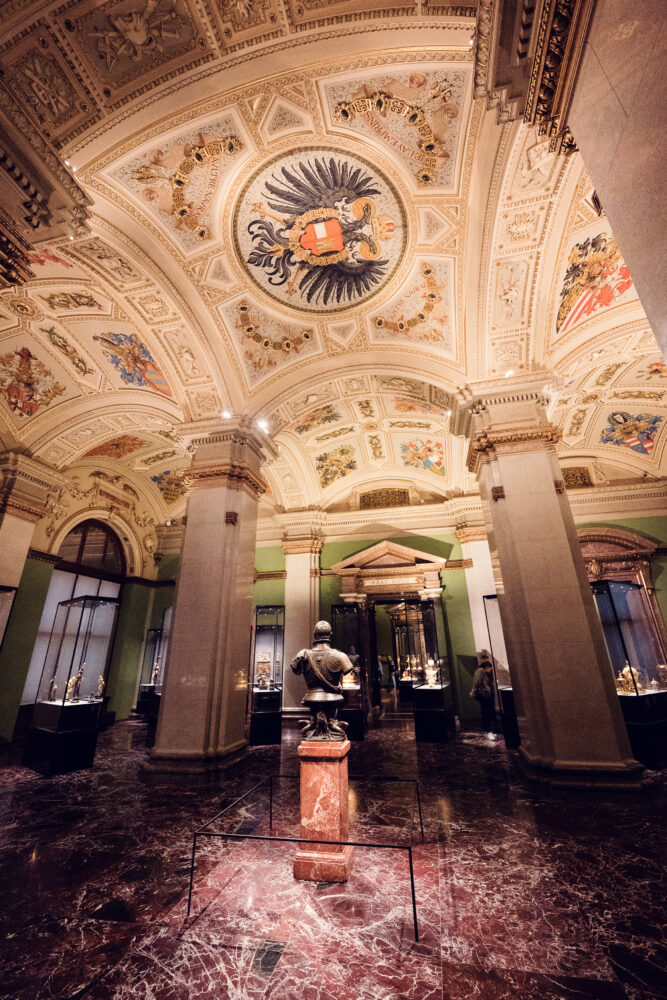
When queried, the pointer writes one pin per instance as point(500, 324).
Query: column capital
point(498, 401)
point(228, 453)
point(25, 485)
point(512, 439)
point(297, 546)
point(470, 533)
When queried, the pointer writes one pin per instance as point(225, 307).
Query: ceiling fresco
point(292, 220)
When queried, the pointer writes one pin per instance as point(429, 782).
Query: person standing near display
point(482, 691)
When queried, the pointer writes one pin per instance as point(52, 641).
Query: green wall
point(455, 637)
point(163, 598)
point(269, 559)
point(125, 662)
point(20, 638)
point(168, 566)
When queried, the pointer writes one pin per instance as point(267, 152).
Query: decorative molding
point(229, 474)
point(46, 557)
point(513, 440)
point(278, 574)
point(297, 546)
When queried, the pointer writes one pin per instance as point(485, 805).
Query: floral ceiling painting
point(426, 454)
point(118, 447)
point(133, 361)
point(335, 464)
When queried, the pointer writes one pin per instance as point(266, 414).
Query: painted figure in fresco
point(319, 231)
point(133, 361)
point(26, 382)
point(636, 432)
point(322, 668)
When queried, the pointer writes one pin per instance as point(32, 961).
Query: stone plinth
point(324, 812)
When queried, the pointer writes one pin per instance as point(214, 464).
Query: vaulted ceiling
point(299, 212)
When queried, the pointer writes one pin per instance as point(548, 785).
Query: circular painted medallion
point(319, 230)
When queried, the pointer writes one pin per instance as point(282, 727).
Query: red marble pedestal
point(323, 812)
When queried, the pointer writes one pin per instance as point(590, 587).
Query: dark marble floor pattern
point(522, 894)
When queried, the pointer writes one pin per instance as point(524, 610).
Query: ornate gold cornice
point(470, 533)
point(278, 574)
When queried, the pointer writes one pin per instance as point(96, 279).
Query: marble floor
point(522, 895)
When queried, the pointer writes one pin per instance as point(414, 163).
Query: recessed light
point(225, 414)
point(263, 425)
point(509, 373)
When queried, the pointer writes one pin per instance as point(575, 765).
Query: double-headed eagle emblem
point(319, 232)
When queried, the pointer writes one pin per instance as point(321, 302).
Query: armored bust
point(322, 668)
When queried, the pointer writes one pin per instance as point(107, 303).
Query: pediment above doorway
point(389, 568)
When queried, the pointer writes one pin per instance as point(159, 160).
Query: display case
point(70, 695)
point(423, 673)
point(7, 595)
point(151, 668)
point(497, 654)
point(165, 639)
point(267, 676)
point(639, 665)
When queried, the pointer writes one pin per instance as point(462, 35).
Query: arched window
point(94, 545)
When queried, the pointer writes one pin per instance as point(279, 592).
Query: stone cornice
point(228, 474)
point(510, 440)
point(297, 546)
point(25, 485)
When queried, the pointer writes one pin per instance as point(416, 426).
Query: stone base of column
point(324, 814)
point(627, 777)
point(163, 762)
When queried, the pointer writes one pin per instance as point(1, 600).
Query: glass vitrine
point(150, 669)
point(267, 675)
point(423, 670)
point(639, 665)
point(7, 595)
point(71, 688)
point(636, 654)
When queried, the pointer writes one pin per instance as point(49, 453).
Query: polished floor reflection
point(522, 895)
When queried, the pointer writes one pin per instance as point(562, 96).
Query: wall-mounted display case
point(639, 665)
point(151, 668)
point(267, 675)
point(70, 695)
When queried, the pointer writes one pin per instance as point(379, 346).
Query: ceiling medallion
point(319, 230)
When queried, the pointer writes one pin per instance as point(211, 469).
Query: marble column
point(25, 485)
point(572, 730)
point(203, 710)
point(302, 607)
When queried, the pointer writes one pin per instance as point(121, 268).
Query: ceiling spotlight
point(73, 170)
point(263, 425)
point(509, 373)
point(67, 163)
point(225, 414)
point(71, 238)
point(596, 354)
point(449, 413)
point(168, 523)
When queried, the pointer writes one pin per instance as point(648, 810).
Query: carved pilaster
point(25, 485)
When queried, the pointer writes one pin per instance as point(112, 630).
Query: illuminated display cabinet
point(70, 695)
point(424, 669)
point(267, 675)
point(639, 665)
point(151, 669)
